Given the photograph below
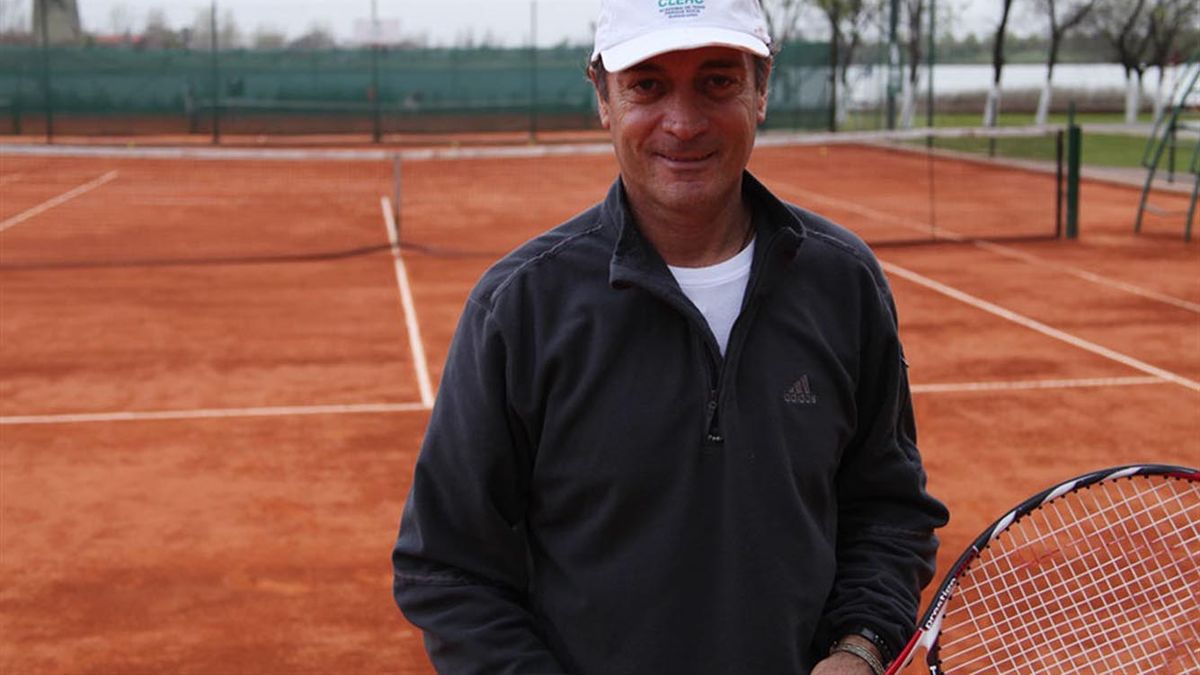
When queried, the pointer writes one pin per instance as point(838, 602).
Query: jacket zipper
point(717, 365)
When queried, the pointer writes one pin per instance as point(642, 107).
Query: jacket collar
point(635, 262)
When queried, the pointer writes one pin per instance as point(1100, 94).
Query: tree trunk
point(1160, 93)
point(991, 113)
point(908, 103)
point(991, 110)
point(1043, 109)
point(1132, 94)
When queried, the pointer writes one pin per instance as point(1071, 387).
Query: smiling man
point(674, 434)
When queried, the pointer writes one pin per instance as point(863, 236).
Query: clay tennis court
point(216, 374)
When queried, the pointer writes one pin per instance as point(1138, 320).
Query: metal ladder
point(1182, 115)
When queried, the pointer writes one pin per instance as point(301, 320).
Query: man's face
point(683, 124)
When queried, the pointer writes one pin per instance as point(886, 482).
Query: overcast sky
point(443, 21)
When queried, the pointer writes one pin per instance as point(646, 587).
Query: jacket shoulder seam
point(544, 255)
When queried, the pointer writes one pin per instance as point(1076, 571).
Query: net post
point(1058, 184)
point(397, 184)
point(1074, 154)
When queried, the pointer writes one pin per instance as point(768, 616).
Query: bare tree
point(783, 18)
point(268, 37)
point(1168, 19)
point(849, 21)
point(157, 34)
point(199, 34)
point(318, 37)
point(991, 112)
point(228, 32)
point(120, 19)
point(1073, 14)
point(13, 19)
point(1121, 24)
point(914, 12)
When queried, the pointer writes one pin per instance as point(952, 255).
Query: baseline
point(213, 413)
point(1038, 326)
point(57, 201)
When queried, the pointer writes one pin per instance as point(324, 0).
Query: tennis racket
point(1100, 574)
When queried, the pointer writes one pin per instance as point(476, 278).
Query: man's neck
point(698, 237)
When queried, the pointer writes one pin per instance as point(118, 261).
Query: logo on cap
point(681, 9)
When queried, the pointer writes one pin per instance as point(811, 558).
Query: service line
point(1038, 326)
point(410, 309)
point(57, 201)
point(212, 413)
point(1020, 385)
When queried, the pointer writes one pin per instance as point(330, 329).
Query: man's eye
point(721, 82)
point(646, 86)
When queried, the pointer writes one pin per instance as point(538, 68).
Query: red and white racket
point(1100, 574)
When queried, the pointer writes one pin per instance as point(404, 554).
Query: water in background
point(866, 82)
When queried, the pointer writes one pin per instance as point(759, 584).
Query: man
point(674, 433)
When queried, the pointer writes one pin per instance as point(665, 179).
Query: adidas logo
point(800, 393)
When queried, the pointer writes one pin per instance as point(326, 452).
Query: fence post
point(216, 76)
point(47, 89)
point(533, 72)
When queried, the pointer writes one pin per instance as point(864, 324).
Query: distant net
point(139, 209)
point(104, 206)
point(919, 186)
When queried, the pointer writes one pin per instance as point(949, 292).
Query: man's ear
point(763, 92)
point(601, 99)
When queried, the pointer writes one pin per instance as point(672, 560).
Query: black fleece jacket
point(599, 492)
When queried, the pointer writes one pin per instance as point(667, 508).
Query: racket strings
point(1083, 620)
point(1002, 592)
point(1103, 615)
point(1065, 587)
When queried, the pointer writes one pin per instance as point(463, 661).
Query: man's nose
point(684, 117)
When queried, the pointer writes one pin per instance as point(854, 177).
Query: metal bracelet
point(862, 653)
point(885, 652)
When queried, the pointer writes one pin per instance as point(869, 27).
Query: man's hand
point(842, 663)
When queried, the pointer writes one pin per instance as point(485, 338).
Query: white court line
point(998, 249)
point(1017, 385)
point(890, 218)
point(213, 413)
point(1038, 326)
point(1088, 276)
point(61, 199)
point(410, 308)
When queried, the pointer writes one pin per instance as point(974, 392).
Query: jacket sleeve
point(886, 519)
point(459, 562)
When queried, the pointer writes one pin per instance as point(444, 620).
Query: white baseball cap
point(631, 31)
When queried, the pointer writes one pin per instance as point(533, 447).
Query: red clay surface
point(249, 544)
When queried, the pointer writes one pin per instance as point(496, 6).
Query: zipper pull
point(714, 428)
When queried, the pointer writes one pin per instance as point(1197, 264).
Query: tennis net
point(922, 185)
point(103, 205)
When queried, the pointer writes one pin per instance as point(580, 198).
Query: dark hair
point(598, 74)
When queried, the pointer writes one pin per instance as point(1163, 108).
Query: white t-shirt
point(717, 291)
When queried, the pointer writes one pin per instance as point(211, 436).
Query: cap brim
point(631, 52)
